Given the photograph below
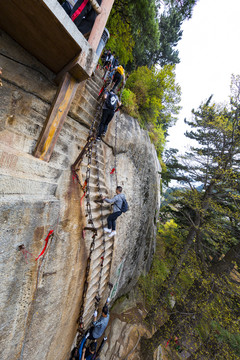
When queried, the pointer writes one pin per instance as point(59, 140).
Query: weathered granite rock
point(138, 172)
point(40, 300)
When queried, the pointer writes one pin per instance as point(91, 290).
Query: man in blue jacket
point(99, 325)
point(117, 202)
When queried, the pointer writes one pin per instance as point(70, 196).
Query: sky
point(209, 52)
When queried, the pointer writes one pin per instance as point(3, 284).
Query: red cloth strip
point(82, 198)
point(167, 343)
point(79, 10)
point(113, 169)
point(101, 90)
point(46, 240)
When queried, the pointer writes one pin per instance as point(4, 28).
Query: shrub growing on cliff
point(129, 101)
point(156, 100)
point(157, 95)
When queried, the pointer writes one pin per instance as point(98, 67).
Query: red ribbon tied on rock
point(82, 198)
point(46, 240)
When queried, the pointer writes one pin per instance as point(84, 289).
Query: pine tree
point(206, 211)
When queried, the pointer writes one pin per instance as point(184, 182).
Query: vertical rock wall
point(40, 300)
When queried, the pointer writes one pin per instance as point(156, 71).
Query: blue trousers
point(111, 220)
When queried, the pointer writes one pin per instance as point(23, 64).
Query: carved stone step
point(92, 89)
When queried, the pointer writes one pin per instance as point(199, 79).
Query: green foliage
point(201, 252)
point(157, 137)
point(143, 38)
point(134, 30)
point(145, 31)
point(184, 7)
point(121, 39)
point(155, 102)
point(157, 93)
point(170, 33)
point(150, 283)
point(129, 101)
point(224, 335)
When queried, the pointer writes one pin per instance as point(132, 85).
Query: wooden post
point(100, 23)
point(56, 117)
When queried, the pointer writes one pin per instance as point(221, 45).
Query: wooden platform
point(44, 29)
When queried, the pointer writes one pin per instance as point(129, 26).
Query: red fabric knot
point(84, 185)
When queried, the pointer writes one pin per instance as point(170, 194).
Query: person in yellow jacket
point(118, 76)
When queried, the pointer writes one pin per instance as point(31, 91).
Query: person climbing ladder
point(89, 353)
point(120, 205)
point(109, 107)
point(118, 76)
point(99, 326)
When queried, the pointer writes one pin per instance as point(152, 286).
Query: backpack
point(124, 207)
point(120, 69)
point(112, 101)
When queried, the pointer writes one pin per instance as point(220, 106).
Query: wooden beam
point(69, 67)
point(80, 67)
point(56, 117)
point(100, 23)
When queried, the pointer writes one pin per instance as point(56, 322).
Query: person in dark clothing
point(67, 7)
point(107, 58)
point(118, 76)
point(115, 62)
point(117, 202)
point(89, 353)
point(74, 354)
point(111, 60)
point(83, 15)
point(113, 68)
point(105, 55)
point(110, 105)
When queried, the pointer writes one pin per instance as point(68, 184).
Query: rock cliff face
point(40, 299)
